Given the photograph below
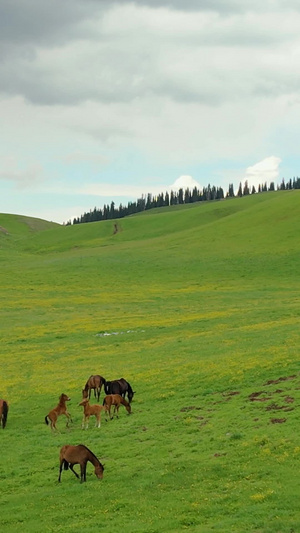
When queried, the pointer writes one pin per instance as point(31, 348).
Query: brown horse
point(60, 409)
point(73, 455)
point(3, 413)
point(116, 400)
point(91, 410)
point(94, 382)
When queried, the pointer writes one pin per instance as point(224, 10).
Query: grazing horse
point(60, 409)
point(3, 413)
point(90, 410)
point(119, 386)
point(94, 382)
point(116, 400)
point(73, 455)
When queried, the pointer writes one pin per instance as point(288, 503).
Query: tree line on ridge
point(186, 196)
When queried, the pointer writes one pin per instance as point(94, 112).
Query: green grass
point(202, 306)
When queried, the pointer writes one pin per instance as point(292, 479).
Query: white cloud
point(185, 182)
point(266, 170)
point(115, 190)
point(97, 160)
point(21, 177)
point(136, 191)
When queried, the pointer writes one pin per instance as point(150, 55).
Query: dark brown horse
point(115, 400)
point(119, 386)
point(94, 382)
point(3, 413)
point(60, 409)
point(73, 455)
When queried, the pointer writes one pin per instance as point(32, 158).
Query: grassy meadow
point(198, 307)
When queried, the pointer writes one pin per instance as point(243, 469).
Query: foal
point(72, 455)
point(90, 410)
point(60, 409)
point(116, 400)
point(3, 413)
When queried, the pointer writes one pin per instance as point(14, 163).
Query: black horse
point(119, 386)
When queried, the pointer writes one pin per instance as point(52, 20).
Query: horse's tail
point(4, 413)
point(103, 381)
point(104, 402)
point(46, 420)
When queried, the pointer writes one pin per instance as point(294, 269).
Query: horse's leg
point(90, 390)
point(60, 469)
point(117, 406)
point(53, 424)
point(81, 472)
point(72, 468)
point(98, 422)
point(69, 419)
point(83, 422)
point(98, 394)
point(87, 418)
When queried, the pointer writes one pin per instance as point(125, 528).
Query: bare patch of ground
point(278, 420)
point(254, 397)
point(272, 381)
point(190, 408)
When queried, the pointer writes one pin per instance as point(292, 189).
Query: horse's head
point(85, 393)
point(84, 401)
point(130, 395)
point(128, 407)
point(65, 398)
point(99, 469)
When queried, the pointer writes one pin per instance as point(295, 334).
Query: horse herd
point(70, 455)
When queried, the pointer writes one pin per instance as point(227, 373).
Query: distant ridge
point(20, 225)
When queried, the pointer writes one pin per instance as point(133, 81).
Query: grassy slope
point(204, 301)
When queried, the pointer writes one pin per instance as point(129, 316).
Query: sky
point(104, 100)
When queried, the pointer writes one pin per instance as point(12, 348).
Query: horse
point(60, 409)
point(94, 382)
point(116, 400)
point(119, 386)
point(73, 455)
point(3, 413)
point(90, 410)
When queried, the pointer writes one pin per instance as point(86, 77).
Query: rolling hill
point(197, 306)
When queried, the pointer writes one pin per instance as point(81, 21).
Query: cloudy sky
point(105, 100)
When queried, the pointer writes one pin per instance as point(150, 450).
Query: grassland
point(201, 305)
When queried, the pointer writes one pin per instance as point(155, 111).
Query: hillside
point(197, 307)
point(236, 219)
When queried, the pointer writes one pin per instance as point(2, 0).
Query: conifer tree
point(240, 191)
point(246, 189)
point(230, 193)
